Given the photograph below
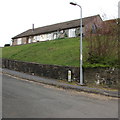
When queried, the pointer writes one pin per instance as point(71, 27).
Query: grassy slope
point(58, 52)
point(0, 52)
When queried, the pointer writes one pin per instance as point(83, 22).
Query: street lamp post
point(81, 62)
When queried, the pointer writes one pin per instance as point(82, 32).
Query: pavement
point(57, 83)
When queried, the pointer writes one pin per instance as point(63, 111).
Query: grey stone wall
point(107, 76)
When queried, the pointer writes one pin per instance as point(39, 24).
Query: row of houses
point(60, 30)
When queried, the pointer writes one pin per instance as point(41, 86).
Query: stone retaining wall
point(91, 75)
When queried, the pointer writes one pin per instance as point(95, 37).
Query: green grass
point(58, 52)
point(0, 52)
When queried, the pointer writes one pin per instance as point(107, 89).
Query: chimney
point(33, 27)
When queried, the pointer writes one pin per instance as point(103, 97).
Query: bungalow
point(59, 30)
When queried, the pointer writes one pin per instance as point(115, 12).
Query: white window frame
point(19, 41)
point(71, 32)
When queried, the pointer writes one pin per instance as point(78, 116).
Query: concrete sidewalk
point(60, 84)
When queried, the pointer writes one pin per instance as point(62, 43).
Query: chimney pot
point(32, 27)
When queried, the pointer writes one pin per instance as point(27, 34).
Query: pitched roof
point(111, 21)
point(55, 27)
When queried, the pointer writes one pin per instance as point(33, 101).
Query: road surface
point(24, 99)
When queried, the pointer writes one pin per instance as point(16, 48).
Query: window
point(38, 38)
point(30, 40)
point(94, 28)
point(55, 36)
point(72, 33)
point(19, 41)
point(62, 31)
point(50, 36)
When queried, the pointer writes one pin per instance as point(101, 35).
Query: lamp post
point(81, 62)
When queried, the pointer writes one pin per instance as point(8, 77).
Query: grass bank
point(58, 52)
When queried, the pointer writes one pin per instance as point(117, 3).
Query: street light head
point(73, 3)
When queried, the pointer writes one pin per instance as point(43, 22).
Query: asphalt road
point(23, 99)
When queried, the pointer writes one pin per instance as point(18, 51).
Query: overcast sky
point(16, 16)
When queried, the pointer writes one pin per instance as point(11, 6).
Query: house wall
point(74, 32)
point(88, 27)
point(19, 41)
point(43, 37)
point(98, 21)
point(24, 40)
point(30, 39)
point(14, 42)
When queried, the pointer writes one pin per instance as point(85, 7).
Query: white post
point(69, 76)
